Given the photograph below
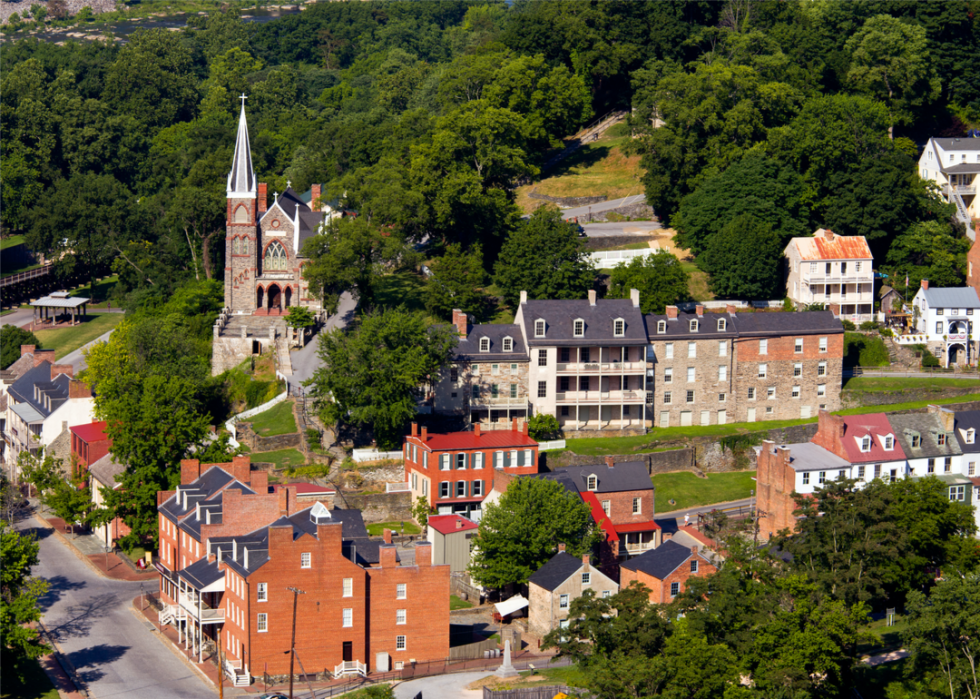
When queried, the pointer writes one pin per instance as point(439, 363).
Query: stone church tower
point(241, 241)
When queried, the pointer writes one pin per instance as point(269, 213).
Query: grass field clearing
point(66, 340)
point(275, 421)
point(875, 384)
point(687, 490)
point(283, 458)
point(457, 603)
point(410, 528)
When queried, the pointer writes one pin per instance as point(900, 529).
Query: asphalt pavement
point(305, 361)
point(581, 211)
point(695, 511)
point(89, 618)
point(609, 229)
point(443, 686)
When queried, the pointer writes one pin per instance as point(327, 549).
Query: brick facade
point(660, 589)
point(776, 483)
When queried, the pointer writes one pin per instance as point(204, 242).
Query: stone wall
point(383, 472)
point(568, 202)
point(247, 436)
point(856, 398)
point(604, 243)
point(635, 211)
point(378, 507)
point(229, 352)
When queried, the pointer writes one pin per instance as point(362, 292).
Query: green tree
point(521, 532)
point(659, 277)
point(421, 510)
point(943, 634)
point(543, 427)
point(372, 374)
point(11, 339)
point(744, 259)
point(545, 257)
point(457, 281)
point(300, 317)
point(927, 250)
point(890, 60)
point(41, 470)
point(19, 594)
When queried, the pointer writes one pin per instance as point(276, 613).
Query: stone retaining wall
point(636, 211)
point(385, 472)
point(593, 244)
point(858, 398)
point(256, 443)
point(378, 507)
point(568, 202)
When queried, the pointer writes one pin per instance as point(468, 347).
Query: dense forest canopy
point(424, 115)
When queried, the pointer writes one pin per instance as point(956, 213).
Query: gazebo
point(74, 306)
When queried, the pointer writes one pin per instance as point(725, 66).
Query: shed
point(451, 537)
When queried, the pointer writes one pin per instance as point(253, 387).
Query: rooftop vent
point(320, 514)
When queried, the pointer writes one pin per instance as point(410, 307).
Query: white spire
point(241, 179)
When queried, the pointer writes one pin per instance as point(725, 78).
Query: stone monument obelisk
point(506, 670)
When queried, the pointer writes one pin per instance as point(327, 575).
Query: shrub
point(869, 325)
point(313, 438)
point(886, 332)
point(860, 350)
point(848, 325)
point(929, 360)
point(788, 305)
point(543, 427)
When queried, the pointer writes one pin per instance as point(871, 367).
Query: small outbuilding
point(59, 303)
point(451, 537)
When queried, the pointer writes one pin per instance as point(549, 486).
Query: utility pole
point(292, 645)
point(221, 670)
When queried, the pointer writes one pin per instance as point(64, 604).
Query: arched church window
point(236, 246)
point(244, 246)
point(241, 214)
point(275, 256)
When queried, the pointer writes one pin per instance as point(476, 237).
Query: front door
point(686, 418)
point(348, 651)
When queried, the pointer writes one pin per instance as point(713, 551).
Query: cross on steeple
point(276, 195)
point(243, 97)
point(288, 184)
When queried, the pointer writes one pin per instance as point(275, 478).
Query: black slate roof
point(288, 201)
point(309, 224)
point(928, 426)
point(968, 419)
point(23, 389)
point(745, 325)
point(622, 477)
point(559, 316)
point(560, 568)
point(200, 573)
point(661, 561)
point(469, 347)
point(681, 326)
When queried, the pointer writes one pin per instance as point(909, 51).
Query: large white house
point(946, 317)
point(954, 165)
point(832, 269)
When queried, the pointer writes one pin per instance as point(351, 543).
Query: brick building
point(231, 550)
point(716, 368)
point(666, 570)
point(89, 443)
point(454, 471)
point(555, 585)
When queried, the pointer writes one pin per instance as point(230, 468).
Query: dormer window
point(693, 325)
point(661, 327)
point(484, 344)
point(619, 327)
point(578, 328)
point(889, 443)
point(539, 328)
point(592, 483)
point(971, 435)
point(722, 324)
point(941, 438)
point(508, 344)
point(866, 444)
point(916, 441)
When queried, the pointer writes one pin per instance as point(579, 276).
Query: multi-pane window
point(692, 350)
point(667, 397)
point(821, 389)
point(275, 256)
point(563, 601)
point(763, 371)
point(444, 489)
point(668, 375)
point(694, 566)
point(797, 370)
point(971, 468)
point(476, 391)
point(401, 616)
point(508, 344)
point(461, 489)
point(941, 438)
point(513, 390)
point(957, 492)
point(401, 591)
point(477, 489)
point(636, 506)
point(348, 587)
point(722, 397)
point(916, 441)
point(539, 328)
point(822, 369)
point(305, 560)
point(661, 326)
point(262, 622)
point(763, 346)
point(723, 373)
point(721, 324)
point(669, 350)
point(606, 594)
point(693, 326)
point(771, 393)
point(796, 392)
point(675, 589)
point(262, 592)
point(822, 477)
point(586, 579)
point(798, 346)
point(877, 470)
point(484, 344)
point(542, 357)
point(454, 374)
point(494, 390)
point(722, 349)
point(866, 444)
point(860, 473)
point(619, 328)
point(348, 618)
point(690, 396)
point(948, 464)
point(751, 393)
point(400, 643)
point(823, 344)
point(579, 328)
point(542, 389)
point(690, 374)
point(592, 483)
point(461, 460)
point(806, 478)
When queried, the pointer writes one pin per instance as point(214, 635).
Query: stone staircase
point(283, 361)
point(255, 326)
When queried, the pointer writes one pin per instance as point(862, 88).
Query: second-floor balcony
point(961, 188)
point(601, 367)
point(488, 400)
point(617, 396)
point(198, 609)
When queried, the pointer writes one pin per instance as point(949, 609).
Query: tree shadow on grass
point(584, 157)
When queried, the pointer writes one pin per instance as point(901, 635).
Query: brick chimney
point(388, 555)
point(259, 482)
point(459, 523)
point(609, 462)
point(79, 389)
point(460, 321)
point(672, 312)
point(699, 309)
point(523, 297)
point(315, 194)
point(387, 535)
point(924, 283)
point(830, 433)
point(585, 560)
point(423, 554)
point(190, 471)
point(263, 197)
point(476, 430)
point(730, 309)
point(694, 550)
point(835, 309)
point(415, 429)
point(635, 297)
point(43, 356)
point(59, 369)
point(524, 428)
point(591, 297)
point(828, 234)
point(27, 349)
point(561, 548)
point(425, 435)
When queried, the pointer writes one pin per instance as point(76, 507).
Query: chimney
point(423, 554)
point(524, 428)
point(699, 309)
point(835, 309)
point(27, 349)
point(283, 500)
point(694, 550)
point(609, 462)
point(263, 196)
point(388, 557)
point(513, 424)
point(415, 429)
point(259, 482)
point(828, 234)
point(730, 309)
point(924, 283)
point(591, 297)
point(43, 356)
point(190, 471)
point(561, 548)
point(459, 523)
point(476, 430)
point(585, 560)
point(331, 538)
point(241, 467)
point(459, 320)
point(59, 369)
point(314, 195)
point(672, 312)
point(79, 389)
point(635, 297)
point(425, 435)
point(387, 535)
point(523, 297)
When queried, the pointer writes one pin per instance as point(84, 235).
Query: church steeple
point(241, 179)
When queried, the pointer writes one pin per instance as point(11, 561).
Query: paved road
point(76, 359)
point(442, 686)
point(306, 361)
point(581, 211)
point(695, 511)
point(608, 229)
point(89, 618)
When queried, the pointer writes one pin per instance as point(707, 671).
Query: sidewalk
point(59, 678)
point(92, 549)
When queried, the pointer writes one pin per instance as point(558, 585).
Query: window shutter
point(520, 458)
point(506, 459)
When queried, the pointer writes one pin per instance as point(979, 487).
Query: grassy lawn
point(909, 406)
point(11, 241)
point(401, 288)
point(276, 420)
point(25, 680)
point(888, 637)
point(284, 458)
point(99, 292)
point(457, 603)
point(625, 246)
point(66, 340)
point(697, 283)
point(875, 384)
point(569, 676)
point(377, 529)
point(687, 490)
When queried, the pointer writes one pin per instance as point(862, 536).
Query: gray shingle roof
point(309, 224)
point(560, 568)
point(469, 347)
point(681, 326)
point(23, 389)
point(951, 297)
point(559, 317)
point(622, 477)
point(288, 201)
point(106, 470)
point(962, 168)
point(964, 421)
point(745, 325)
point(200, 573)
point(661, 561)
point(958, 143)
point(928, 426)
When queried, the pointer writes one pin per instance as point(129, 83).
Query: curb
point(170, 646)
point(78, 554)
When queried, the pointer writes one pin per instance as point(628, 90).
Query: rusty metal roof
point(827, 245)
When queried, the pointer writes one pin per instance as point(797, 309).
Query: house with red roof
point(834, 270)
point(454, 471)
point(451, 537)
point(89, 443)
